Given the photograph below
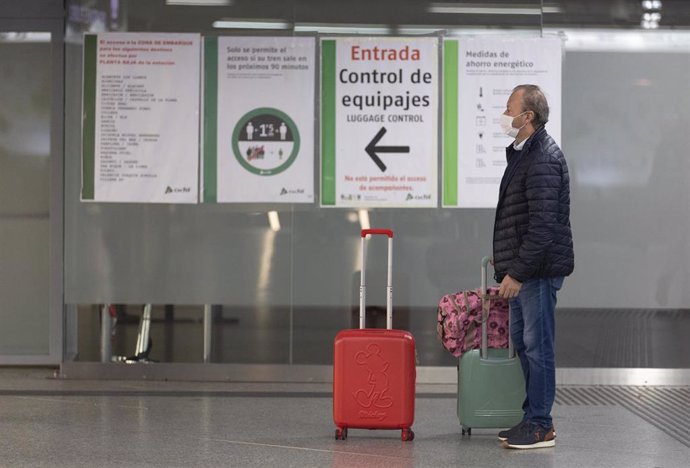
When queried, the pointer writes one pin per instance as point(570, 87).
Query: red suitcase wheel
point(407, 435)
point(341, 434)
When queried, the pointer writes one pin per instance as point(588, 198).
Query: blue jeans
point(532, 329)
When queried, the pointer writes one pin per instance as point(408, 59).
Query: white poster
point(141, 118)
point(479, 76)
point(379, 122)
point(259, 119)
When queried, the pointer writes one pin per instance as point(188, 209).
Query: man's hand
point(509, 288)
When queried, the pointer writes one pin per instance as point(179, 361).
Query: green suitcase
point(491, 386)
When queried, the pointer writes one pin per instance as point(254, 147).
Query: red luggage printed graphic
point(374, 371)
point(377, 368)
point(374, 380)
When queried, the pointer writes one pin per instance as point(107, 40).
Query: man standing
point(533, 252)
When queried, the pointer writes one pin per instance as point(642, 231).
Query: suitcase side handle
point(486, 301)
point(362, 278)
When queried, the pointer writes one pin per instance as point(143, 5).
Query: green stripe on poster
point(210, 193)
point(450, 123)
point(89, 123)
point(328, 122)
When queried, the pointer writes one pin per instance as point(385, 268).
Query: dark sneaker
point(504, 435)
point(532, 436)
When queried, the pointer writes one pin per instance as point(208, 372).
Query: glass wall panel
point(25, 93)
point(282, 295)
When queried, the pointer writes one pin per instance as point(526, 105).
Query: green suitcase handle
point(486, 302)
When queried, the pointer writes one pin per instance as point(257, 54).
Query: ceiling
point(161, 15)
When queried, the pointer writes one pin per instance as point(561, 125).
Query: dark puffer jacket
point(532, 236)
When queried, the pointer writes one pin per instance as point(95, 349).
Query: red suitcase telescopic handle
point(362, 284)
point(387, 232)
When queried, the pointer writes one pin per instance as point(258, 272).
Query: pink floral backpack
point(459, 321)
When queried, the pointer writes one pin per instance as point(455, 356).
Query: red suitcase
point(374, 371)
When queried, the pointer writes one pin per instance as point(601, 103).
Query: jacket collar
point(510, 152)
point(537, 135)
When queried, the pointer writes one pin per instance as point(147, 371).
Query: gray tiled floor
point(46, 422)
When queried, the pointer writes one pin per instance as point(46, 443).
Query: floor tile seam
point(653, 419)
point(679, 405)
point(651, 413)
point(670, 426)
point(570, 395)
point(578, 397)
point(665, 429)
point(671, 420)
point(307, 449)
point(605, 394)
point(610, 451)
point(587, 397)
point(656, 397)
point(192, 394)
point(598, 396)
point(570, 398)
point(652, 407)
point(683, 392)
point(45, 398)
point(564, 398)
point(672, 394)
point(682, 402)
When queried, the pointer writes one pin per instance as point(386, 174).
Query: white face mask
point(507, 125)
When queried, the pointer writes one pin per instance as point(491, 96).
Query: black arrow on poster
point(372, 149)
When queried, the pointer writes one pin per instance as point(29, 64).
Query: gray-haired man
point(533, 252)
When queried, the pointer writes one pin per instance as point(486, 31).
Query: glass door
point(31, 90)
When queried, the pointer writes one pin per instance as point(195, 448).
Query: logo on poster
point(299, 191)
point(170, 189)
point(423, 196)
